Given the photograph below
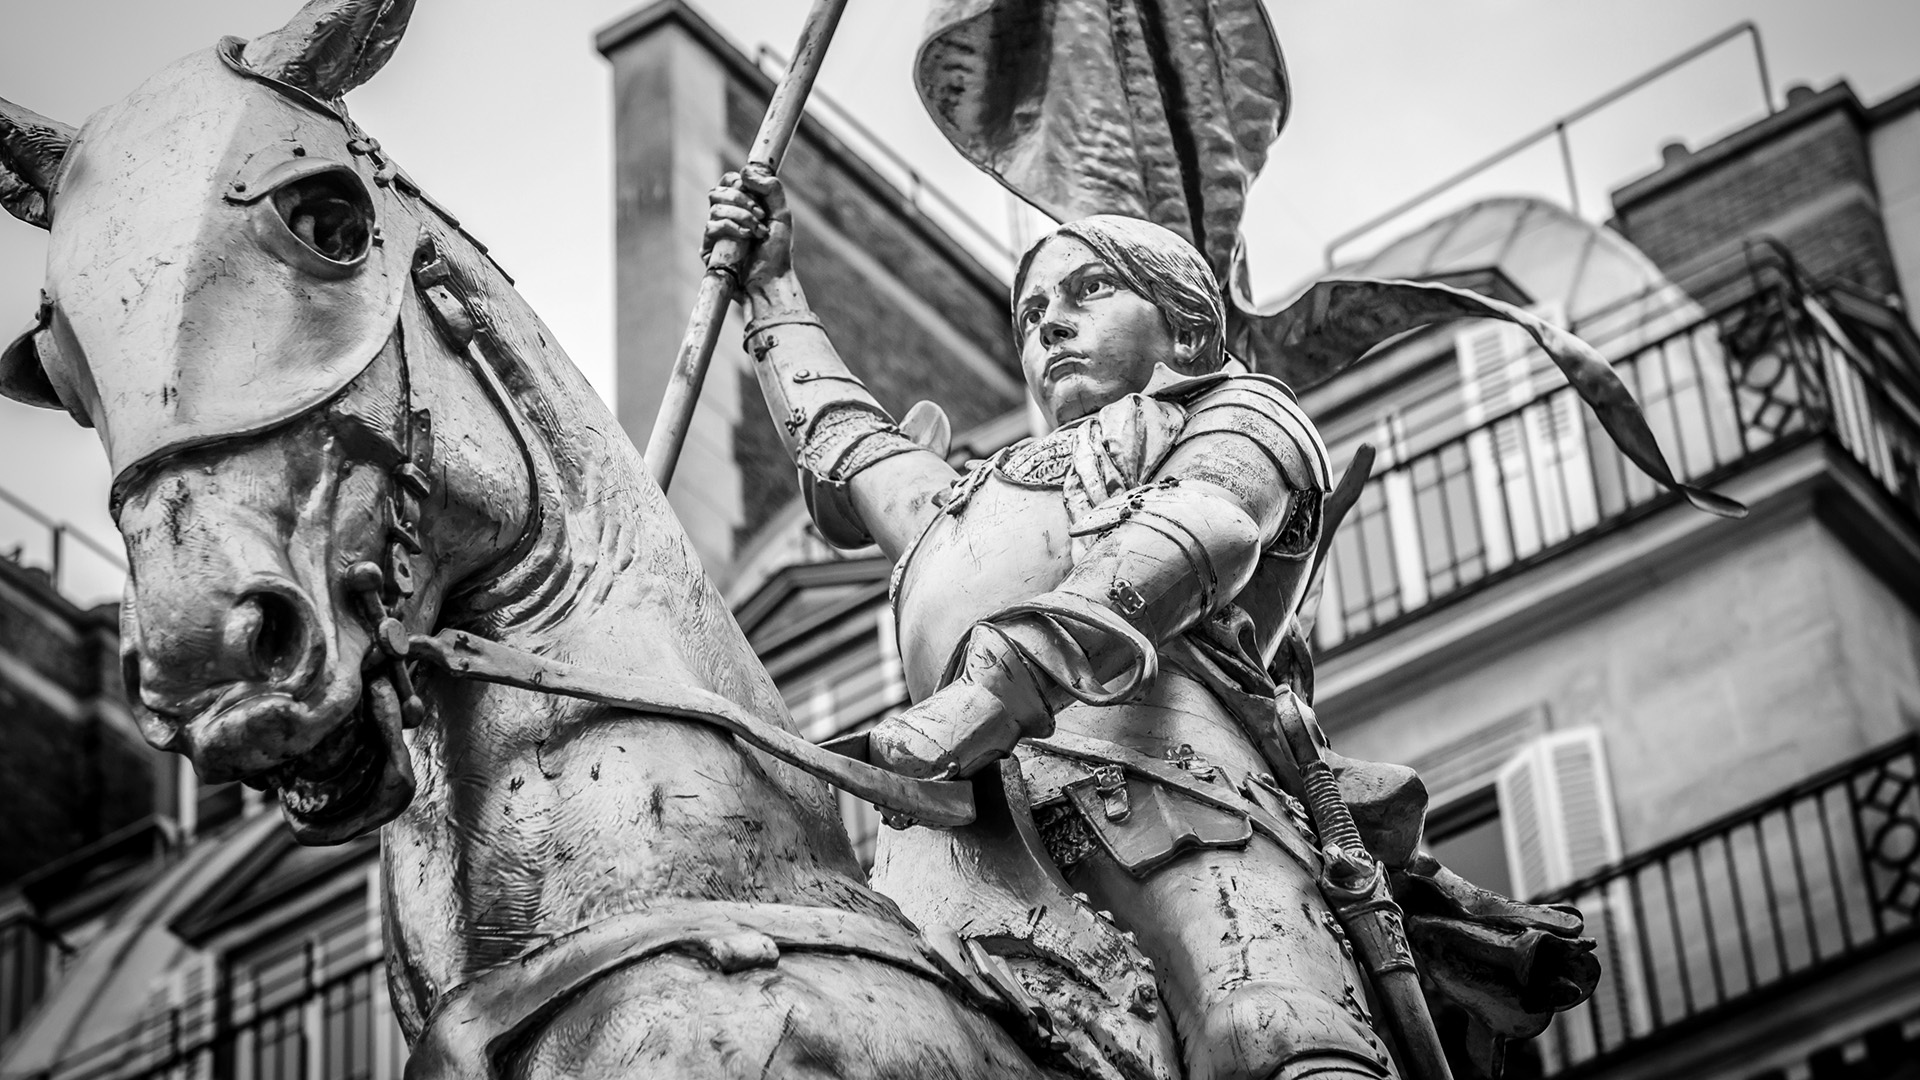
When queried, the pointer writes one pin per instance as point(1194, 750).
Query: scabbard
point(1373, 923)
point(1355, 885)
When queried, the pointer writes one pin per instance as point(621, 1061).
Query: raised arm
point(864, 481)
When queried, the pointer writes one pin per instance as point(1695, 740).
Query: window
point(1468, 838)
point(309, 1003)
point(1558, 802)
point(1533, 478)
point(23, 973)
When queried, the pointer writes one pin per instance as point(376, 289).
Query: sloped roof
point(1599, 282)
point(108, 988)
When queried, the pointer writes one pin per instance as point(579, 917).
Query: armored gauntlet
point(1171, 554)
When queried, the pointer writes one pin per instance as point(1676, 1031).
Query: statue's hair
point(1158, 264)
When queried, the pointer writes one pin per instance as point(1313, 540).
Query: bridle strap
point(944, 803)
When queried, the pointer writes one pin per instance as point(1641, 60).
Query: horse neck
point(606, 565)
point(538, 814)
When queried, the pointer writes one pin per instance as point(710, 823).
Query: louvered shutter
point(180, 1016)
point(1403, 522)
point(1533, 479)
point(194, 996)
point(1493, 381)
point(1556, 809)
point(1533, 850)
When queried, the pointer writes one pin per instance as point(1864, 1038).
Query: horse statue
point(378, 526)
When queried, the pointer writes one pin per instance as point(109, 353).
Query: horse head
point(228, 265)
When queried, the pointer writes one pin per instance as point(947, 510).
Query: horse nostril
point(278, 635)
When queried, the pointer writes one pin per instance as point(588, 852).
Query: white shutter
point(182, 1018)
point(198, 1009)
point(1492, 356)
point(1532, 475)
point(1493, 379)
point(1557, 813)
point(1533, 850)
point(1556, 808)
point(1403, 523)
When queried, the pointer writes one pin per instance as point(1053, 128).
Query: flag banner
point(1157, 109)
point(1338, 320)
point(1165, 110)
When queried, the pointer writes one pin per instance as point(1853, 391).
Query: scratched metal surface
point(252, 359)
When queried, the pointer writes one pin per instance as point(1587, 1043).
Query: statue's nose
point(267, 636)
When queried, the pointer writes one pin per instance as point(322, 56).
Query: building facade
point(1704, 733)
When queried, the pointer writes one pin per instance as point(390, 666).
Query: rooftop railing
point(1815, 879)
point(1720, 394)
point(74, 562)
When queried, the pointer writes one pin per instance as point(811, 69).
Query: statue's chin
point(353, 781)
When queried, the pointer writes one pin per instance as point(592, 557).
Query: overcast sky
point(500, 109)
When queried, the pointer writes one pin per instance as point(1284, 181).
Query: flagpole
point(718, 285)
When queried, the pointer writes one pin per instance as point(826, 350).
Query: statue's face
point(1086, 340)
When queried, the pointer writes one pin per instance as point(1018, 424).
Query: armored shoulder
point(1261, 410)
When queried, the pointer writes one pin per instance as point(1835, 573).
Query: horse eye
point(330, 214)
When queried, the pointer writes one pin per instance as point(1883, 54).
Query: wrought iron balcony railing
point(315, 1021)
point(1720, 394)
point(1819, 877)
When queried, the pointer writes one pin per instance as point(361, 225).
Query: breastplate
point(998, 544)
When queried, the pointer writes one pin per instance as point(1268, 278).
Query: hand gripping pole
point(717, 287)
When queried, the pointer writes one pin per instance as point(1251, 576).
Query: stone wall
point(1715, 684)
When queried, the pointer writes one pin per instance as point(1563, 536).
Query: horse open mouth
point(358, 777)
point(335, 775)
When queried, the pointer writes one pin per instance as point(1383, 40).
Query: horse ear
point(22, 377)
point(31, 147)
point(331, 46)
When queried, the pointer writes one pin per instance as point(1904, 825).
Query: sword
point(1355, 885)
point(722, 278)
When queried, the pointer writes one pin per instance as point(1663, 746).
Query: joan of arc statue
point(1083, 602)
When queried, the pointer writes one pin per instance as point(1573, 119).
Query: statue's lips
point(1062, 359)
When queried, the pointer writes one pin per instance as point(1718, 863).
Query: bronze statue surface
point(1112, 602)
point(392, 558)
point(336, 432)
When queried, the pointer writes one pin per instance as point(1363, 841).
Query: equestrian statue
point(394, 561)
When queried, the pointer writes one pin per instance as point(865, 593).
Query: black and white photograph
point(960, 540)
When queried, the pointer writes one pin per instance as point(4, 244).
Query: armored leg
point(1260, 981)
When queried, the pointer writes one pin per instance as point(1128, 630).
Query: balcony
point(310, 1020)
point(1730, 390)
point(1820, 878)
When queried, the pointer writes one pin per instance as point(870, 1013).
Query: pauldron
point(831, 425)
point(1257, 413)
